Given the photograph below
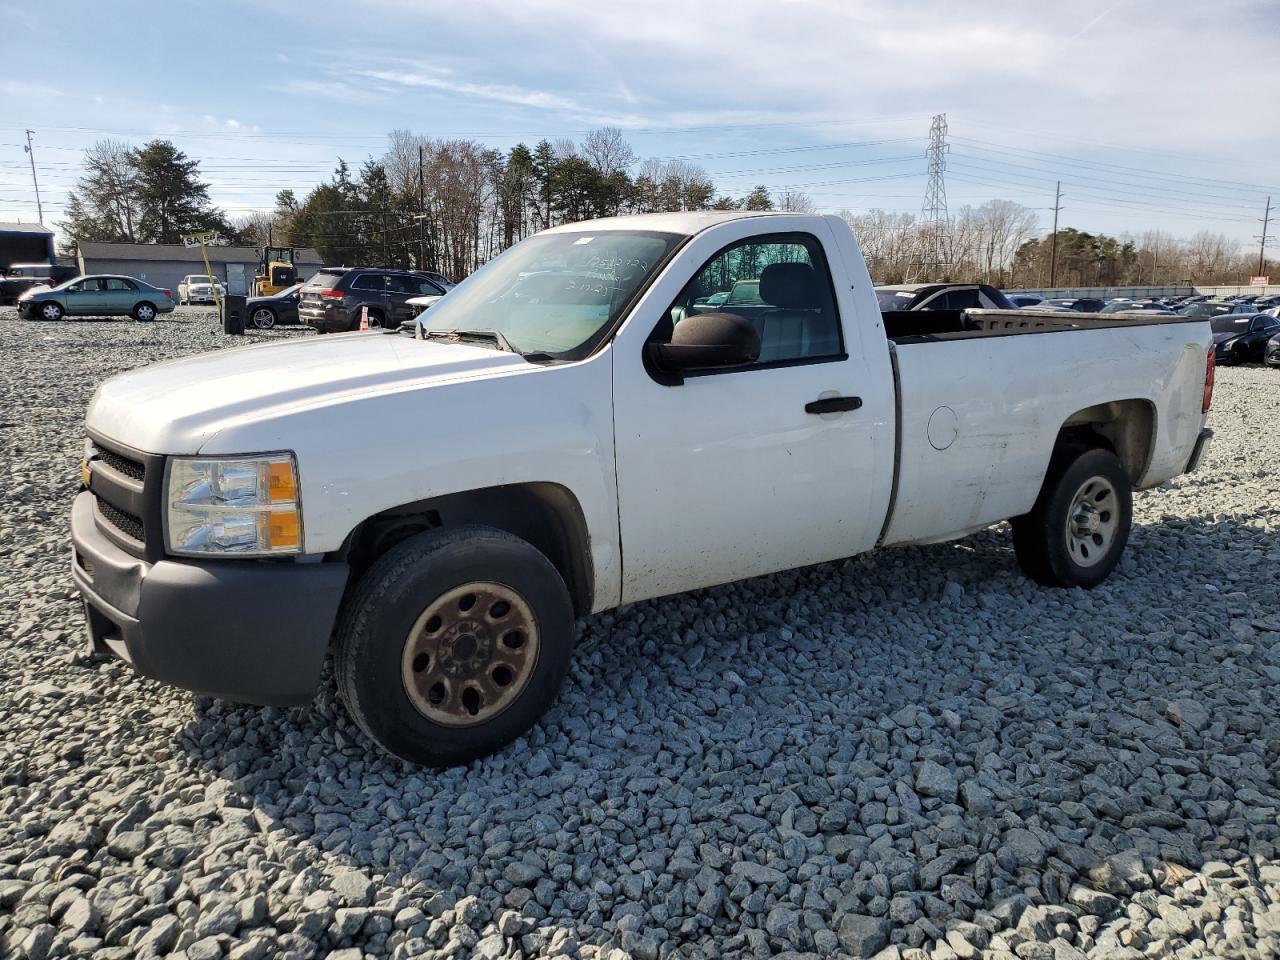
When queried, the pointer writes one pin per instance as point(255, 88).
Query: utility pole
point(1262, 248)
point(1053, 243)
point(422, 220)
point(31, 153)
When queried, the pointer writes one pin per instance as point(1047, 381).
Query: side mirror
point(703, 340)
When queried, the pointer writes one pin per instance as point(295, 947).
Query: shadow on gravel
point(886, 748)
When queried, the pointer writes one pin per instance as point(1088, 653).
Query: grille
point(123, 521)
point(122, 464)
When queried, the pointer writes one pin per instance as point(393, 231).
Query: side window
point(966, 299)
point(369, 281)
point(985, 301)
point(780, 284)
point(116, 283)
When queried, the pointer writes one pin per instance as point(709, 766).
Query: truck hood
point(178, 406)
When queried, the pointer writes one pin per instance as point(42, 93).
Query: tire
point(51, 311)
point(1076, 533)
point(144, 312)
point(263, 318)
point(431, 680)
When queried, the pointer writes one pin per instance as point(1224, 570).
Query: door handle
point(833, 405)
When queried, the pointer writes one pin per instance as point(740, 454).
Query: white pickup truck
point(583, 423)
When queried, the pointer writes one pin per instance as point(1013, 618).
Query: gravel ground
point(907, 755)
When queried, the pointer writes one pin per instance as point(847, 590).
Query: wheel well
point(545, 515)
point(1125, 427)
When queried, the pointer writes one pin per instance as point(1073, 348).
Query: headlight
point(241, 506)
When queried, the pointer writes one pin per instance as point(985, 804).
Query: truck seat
point(794, 325)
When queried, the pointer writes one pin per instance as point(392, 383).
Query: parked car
point(450, 504)
point(1272, 355)
point(1021, 300)
point(1209, 308)
point(264, 313)
point(198, 288)
point(1128, 306)
point(420, 304)
point(331, 301)
point(21, 277)
point(106, 295)
point(941, 296)
point(439, 279)
point(1079, 304)
point(1242, 338)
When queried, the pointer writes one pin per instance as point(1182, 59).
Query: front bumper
point(246, 630)
point(1199, 450)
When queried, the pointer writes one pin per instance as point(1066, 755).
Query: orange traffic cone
point(364, 318)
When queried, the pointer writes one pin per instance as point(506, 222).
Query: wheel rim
point(145, 312)
point(50, 311)
point(470, 654)
point(263, 319)
point(1092, 521)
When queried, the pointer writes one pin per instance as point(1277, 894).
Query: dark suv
point(332, 299)
point(21, 277)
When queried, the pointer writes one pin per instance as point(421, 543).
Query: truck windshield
point(556, 293)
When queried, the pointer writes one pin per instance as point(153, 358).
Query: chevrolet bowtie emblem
point(85, 473)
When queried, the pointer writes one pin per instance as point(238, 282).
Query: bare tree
point(793, 201)
point(607, 151)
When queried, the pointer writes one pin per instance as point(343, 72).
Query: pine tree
point(171, 197)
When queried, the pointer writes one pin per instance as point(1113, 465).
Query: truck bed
point(980, 405)
point(922, 326)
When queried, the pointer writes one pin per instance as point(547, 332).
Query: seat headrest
point(792, 286)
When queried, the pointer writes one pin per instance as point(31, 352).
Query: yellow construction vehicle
point(277, 271)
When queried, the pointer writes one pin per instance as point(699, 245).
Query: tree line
point(452, 205)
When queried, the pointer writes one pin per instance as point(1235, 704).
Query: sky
point(1153, 114)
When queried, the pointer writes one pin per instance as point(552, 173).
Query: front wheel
point(454, 643)
point(50, 311)
point(144, 313)
point(263, 318)
point(1078, 528)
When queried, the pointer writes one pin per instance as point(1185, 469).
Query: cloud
point(338, 90)
point(503, 93)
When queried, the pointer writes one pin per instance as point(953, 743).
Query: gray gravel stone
point(935, 780)
point(863, 936)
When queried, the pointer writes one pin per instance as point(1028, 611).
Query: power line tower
point(933, 215)
point(1262, 247)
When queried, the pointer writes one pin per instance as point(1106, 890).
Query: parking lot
point(917, 752)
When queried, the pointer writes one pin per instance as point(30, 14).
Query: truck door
point(785, 462)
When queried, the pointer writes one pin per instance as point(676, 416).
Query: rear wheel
point(50, 311)
point(454, 643)
point(263, 318)
point(1077, 530)
point(144, 312)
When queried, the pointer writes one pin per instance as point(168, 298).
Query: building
point(25, 243)
point(165, 264)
